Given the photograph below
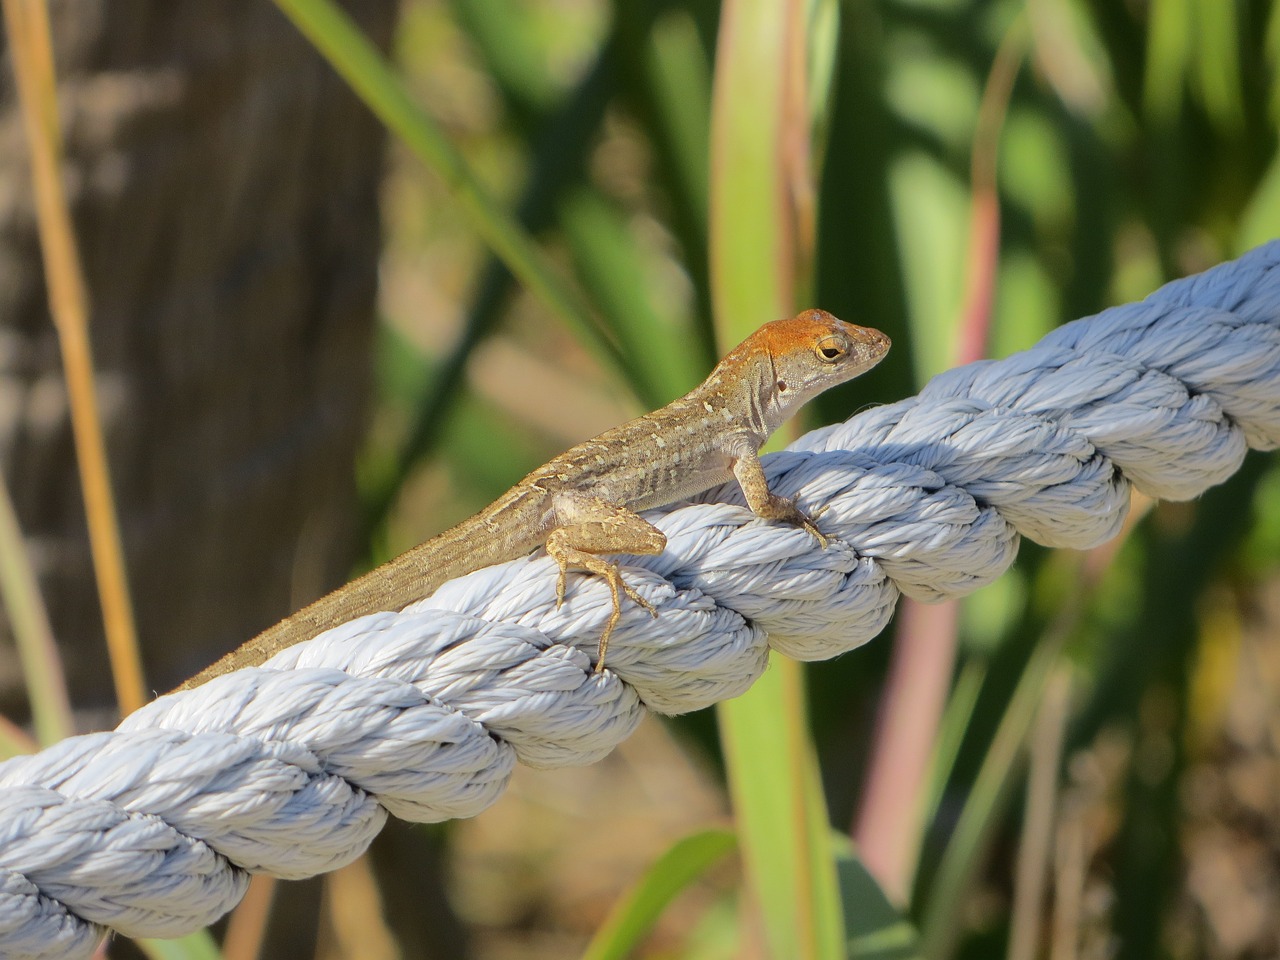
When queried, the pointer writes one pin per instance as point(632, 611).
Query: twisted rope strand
point(292, 768)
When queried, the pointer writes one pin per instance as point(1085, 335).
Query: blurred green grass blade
point(32, 636)
point(983, 807)
point(508, 38)
point(194, 946)
point(361, 64)
point(561, 145)
point(1260, 221)
point(1217, 62)
point(1169, 40)
point(1272, 54)
point(859, 259)
point(825, 911)
point(717, 935)
point(631, 919)
point(782, 824)
point(931, 208)
point(874, 928)
point(820, 66)
point(610, 266)
point(666, 80)
point(607, 261)
point(680, 80)
point(955, 722)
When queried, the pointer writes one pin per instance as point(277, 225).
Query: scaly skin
point(584, 503)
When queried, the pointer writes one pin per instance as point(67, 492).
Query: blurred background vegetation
point(1103, 779)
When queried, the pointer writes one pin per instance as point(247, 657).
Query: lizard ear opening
point(782, 386)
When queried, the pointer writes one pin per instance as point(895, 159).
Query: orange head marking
point(804, 355)
point(831, 340)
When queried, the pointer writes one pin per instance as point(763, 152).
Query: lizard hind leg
point(588, 527)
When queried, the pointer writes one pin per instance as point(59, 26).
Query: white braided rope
point(150, 829)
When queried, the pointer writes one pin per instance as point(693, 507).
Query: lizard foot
point(617, 587)
point(812, 525)
point(807, 521)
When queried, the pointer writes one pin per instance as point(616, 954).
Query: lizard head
point(807, 354)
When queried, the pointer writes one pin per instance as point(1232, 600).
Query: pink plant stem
point(886, 829)
point(887, 826)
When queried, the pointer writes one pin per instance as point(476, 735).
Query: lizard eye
point(831, 349)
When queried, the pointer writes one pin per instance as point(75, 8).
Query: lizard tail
point(415, 574)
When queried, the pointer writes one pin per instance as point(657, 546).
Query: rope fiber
point(152, 829)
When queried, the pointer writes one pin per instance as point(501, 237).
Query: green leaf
point(195, 946)
point(631, 919)
point(611, 266)
point(874, 927)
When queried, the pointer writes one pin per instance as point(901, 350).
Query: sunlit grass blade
point(507, 37)
point(780, 816)
point(678, 81)
point(1261, 219)
point(760, 188)
point(631, 919)
point(360, 63)
point(752, 263)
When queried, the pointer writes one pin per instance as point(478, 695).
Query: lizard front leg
point(588, 526)
point(764, 502)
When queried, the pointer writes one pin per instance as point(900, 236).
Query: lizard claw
point(808, 522)
point(560, 579)
point(812, 528)
point(638, 600)
point(812, 525)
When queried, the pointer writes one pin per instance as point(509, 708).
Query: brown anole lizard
point(584, 503)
